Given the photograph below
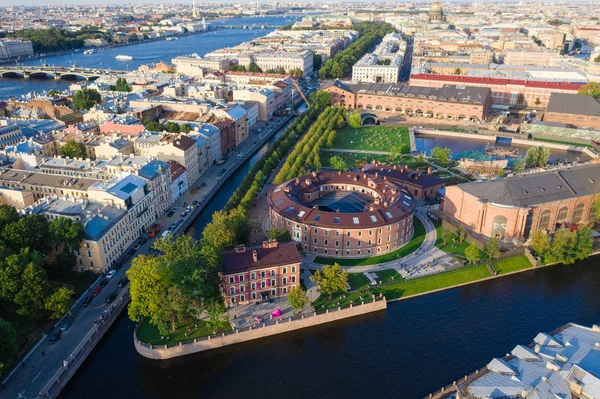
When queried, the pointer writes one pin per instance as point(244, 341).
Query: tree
point(146, 287)
point(86, 99)
point(185, 128)
point(122, 85)
point(154, 126)
point(519, 165)
point(227, 229)
point(59, 302)
point(322, 99)
point(446, 236)
point(354, 119)
point(395, 152)
point(338, 163)
point(8, 343)
point(597, 59)
point(540, 242)
point(253, 67)
point(457, 71)
point(33, 291)
point(441, 155)
point(331, 280)
point(597, 209)
point(537, 156)
point(173, 310)
point(217, 319)
point(54, 93)
point(473, 254)
point(66, 232)
point(562, 249)
point(590, 89)
point(404, 148)
point(73, 149)
point(537, 101)
point(30, 231)
point(462, 234)
point(281, 235)
point(492, 248)
point(584, 242)
point(172, 127)
point(8, 215)
point(297, 298)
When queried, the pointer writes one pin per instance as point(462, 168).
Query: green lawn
point(376, 138)
point(149, 334)
point(410, 247)
point(564, 142)
point(356, 297)
point(512, 264)
point(430, 283)
point(385, 276)
point(357, 281)
point(453, 247)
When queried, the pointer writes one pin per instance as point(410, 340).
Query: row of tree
point(564, 246)
point(29, 271)
point(169, 127)
point(256, 179)
point(54, 39)
point(341, 63)
point(305, 155)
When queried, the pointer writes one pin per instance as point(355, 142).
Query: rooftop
point(574, 104)
point(279, 255)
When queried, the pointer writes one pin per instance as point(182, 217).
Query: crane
point(295, 83)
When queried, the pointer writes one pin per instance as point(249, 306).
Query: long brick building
point(506, 92)
point(574, 109)
point(511, 209)
point(385, 99)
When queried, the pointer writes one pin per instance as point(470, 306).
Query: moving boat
point(90, 51)
point(124, 57)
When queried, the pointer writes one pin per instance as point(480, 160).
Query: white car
point(110, 274)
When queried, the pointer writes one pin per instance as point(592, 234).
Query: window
point(254, 295)
point(284, 280)
point(242, 288)
point(253, 276)
point(253, 286)
point(347, 243)
point(273, 283)
point(272, 273)
point(562, 214)
point(316, 241)
point(230, 280)
point(293, 269)
point(263, 284)
point(326, 242)
point(578, 213)
point(273, 292)
point(545, 220)
point(337, 243)
point(242, 298)
point(263, 274)
point(241, 277)
point(231, 290)
point(284, 270)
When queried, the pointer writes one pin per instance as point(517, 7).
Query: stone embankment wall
point(273, 327)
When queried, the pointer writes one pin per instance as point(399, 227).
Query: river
point(143, 53)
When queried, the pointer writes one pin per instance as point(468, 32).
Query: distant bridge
point(248, 27)
point(55, 72)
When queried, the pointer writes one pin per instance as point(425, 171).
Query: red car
point(96, 291)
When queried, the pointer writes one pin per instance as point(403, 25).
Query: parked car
point(153, 230)
point(96, 291)
point(87, 301)
point(171, 213)
point(165, 233)
point(67, 323)
point(111, 297)
point(194, 202)
point(184, 214)
point(110, 274)
point(55, 337)
point(184, 203)
point(222, 172)
point(123, 282)
point(137, 246)
point(103, 283)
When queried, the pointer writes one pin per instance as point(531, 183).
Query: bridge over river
point(55, 72)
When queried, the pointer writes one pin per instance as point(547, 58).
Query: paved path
point(426, 260)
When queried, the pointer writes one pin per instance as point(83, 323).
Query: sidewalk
point(426, 260)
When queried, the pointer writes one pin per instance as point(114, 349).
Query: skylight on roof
point(355, 220)
point(301, 213)
point(389, 214)
point(290, 209)
point(317, 218)
point(336, 219)
point(406, 203)
point(373, 218)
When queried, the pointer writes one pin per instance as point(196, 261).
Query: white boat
point(90, 51)
point(172, 38)
point(124, 57)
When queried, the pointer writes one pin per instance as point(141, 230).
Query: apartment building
point(261, 272)
point(158, 175)
point(264, 97)
point(238, 115)
point(371, 69)
point(179, 181)
point(196, 66)
point(170, 147)
point(15, 48)
point(528, 57)
point(302, 60)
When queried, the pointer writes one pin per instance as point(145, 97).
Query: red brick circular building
point(344, 214)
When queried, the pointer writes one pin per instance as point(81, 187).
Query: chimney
point(314, 174)
point(429, 171)
point(270, 244)
point(254, 255)
point(297, 180)
point(376, 174)
point(239, 249)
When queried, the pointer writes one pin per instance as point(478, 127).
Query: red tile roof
point(177, 169)
point(460, 79)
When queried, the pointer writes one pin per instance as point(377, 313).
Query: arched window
point(562, 214)
point(499, 227)
point(369, 106)
point(378, 107)
point(545, 220)
point(578, 213)
point(398, 109)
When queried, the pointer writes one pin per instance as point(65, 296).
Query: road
point(32, 376)
point(407, 62)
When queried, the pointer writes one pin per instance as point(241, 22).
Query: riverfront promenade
point(32, 376)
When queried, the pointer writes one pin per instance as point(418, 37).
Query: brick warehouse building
point(513, 208)
point(573, 109)
point(386, 99)
point(343, 214)
point(506, 92)
point(254, 273)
